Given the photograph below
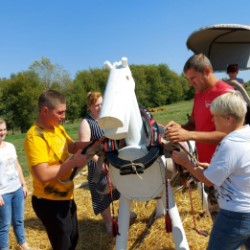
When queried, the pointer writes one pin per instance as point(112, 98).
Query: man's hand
point(177, 134)
point(171, 124)
point(80, 159)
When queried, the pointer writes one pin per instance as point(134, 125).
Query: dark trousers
point(60, 221)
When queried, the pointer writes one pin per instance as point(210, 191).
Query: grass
point(176, 111)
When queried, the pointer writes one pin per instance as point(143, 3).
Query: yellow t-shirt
point(49, 146)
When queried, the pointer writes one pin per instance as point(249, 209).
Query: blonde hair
point(231, 103)
point(92, 97)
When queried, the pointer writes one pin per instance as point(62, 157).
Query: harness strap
point(133, 167)
point(154, 146)
point(90, 150)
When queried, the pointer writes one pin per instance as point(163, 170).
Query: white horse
point(138, 170)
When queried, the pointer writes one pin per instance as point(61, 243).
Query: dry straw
point(142, 236)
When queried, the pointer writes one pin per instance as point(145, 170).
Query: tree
point(100, 78)
point(141, 86)
point(86, 81)
point(19, 96)
point(156, 87)
point(188, 92)
point(50, 75)
point(3, 83)
point(75, 98)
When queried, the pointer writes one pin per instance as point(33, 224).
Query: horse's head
point(120, 115)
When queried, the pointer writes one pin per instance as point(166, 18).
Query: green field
point(177, 112)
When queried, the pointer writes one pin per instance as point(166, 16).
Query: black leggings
point(60, 221)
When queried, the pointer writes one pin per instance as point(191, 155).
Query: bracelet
point(23, 183)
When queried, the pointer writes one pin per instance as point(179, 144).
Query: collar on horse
point(154, 146)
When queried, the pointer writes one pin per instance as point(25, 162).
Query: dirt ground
point(93, 235)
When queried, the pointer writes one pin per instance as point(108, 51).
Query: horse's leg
point(203, 196)
point(178, 232)
point(123, 223)
point(160, 208)
point(167, 201)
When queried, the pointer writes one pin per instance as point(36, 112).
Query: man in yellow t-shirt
point(48, 147)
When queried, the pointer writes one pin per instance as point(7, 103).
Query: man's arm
point(177, 133)
point(73, 147)
point(212, 137)
point(43, 172)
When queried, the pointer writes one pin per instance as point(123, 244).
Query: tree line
point(156, 85)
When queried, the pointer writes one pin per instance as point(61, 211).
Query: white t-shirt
point(229, 171)
point(9, 180)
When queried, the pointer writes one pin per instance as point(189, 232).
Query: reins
point(115, 226)
point(170, 146)
point(188, 184)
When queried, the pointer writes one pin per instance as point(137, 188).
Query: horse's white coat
point(121, 119)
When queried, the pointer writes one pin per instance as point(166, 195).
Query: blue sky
point(82, 34)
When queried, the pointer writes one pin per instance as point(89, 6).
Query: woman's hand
point(180, 157)
point(25, 190)
point(1, 201)
point(203, 165)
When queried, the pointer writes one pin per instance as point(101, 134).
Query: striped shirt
point(99, 202)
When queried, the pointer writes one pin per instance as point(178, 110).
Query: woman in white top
point(13, 190)
point(228, 172)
